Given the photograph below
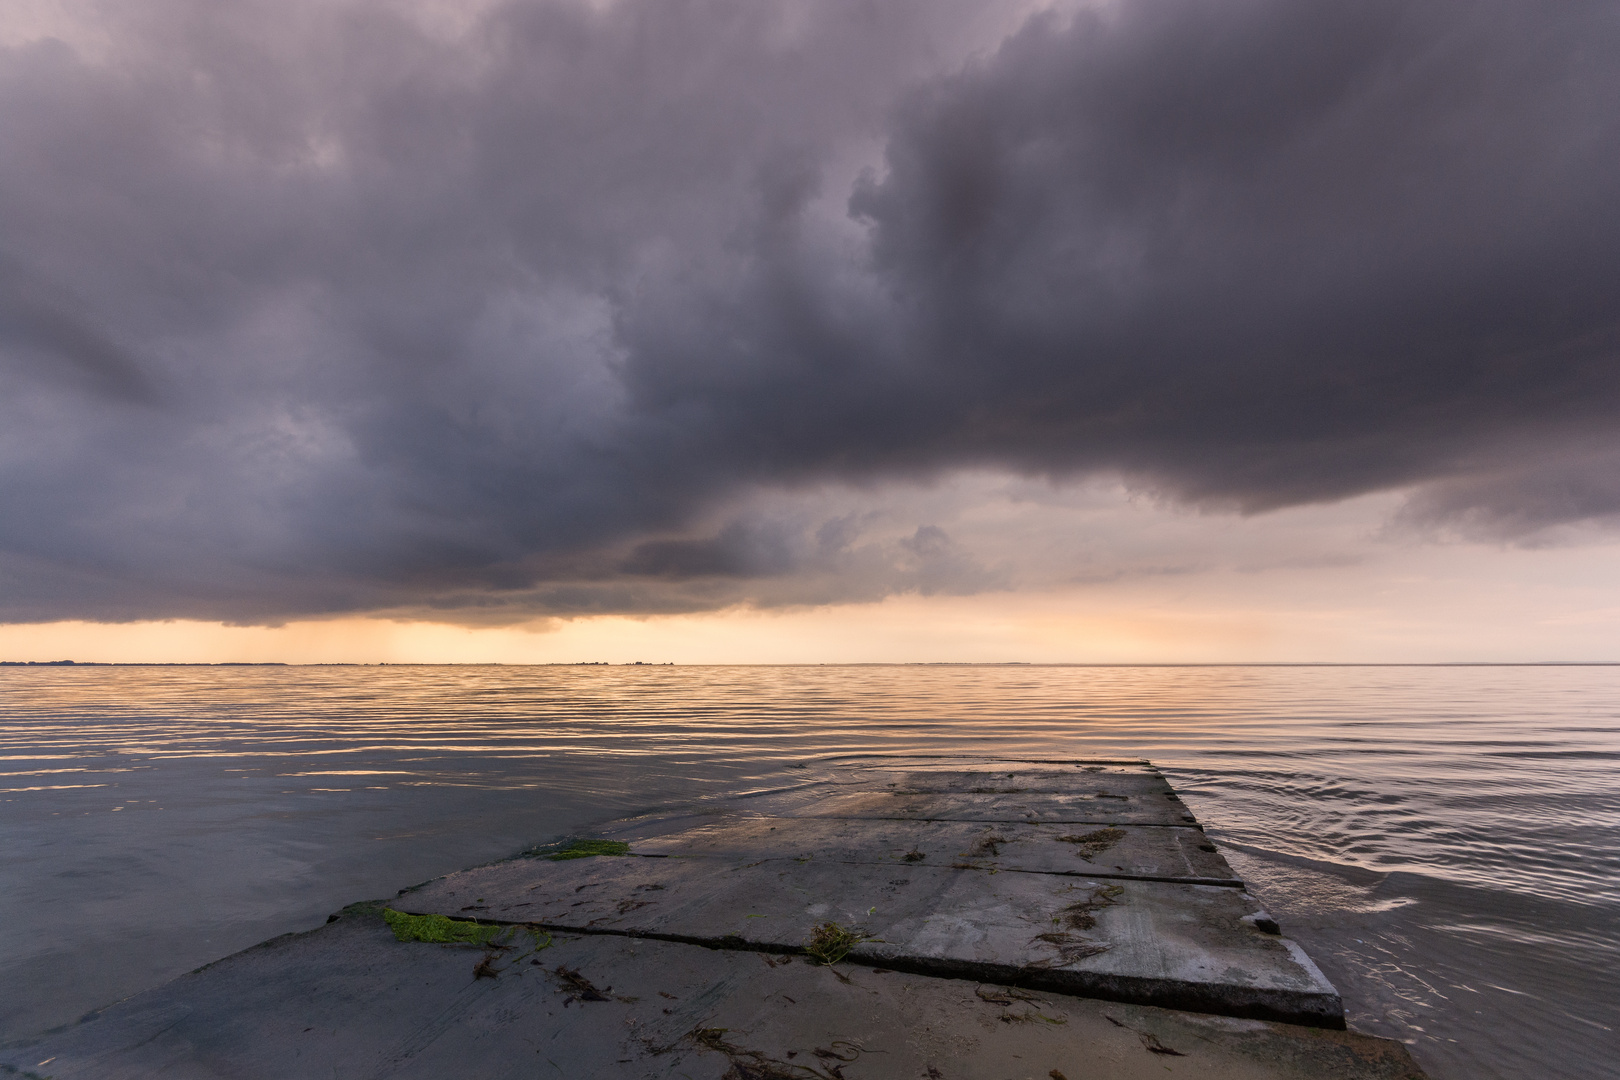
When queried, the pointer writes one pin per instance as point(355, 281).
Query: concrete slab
point(1175, 945)
point(350, 1001)
point(999, 778)
point(1153, 853)
point(966, 773)
point(980, 762)
point(1107, 804)
point(981, 895)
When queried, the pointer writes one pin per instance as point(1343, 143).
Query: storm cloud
point(516, 309)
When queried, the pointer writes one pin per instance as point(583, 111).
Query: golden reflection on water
point(1353, 764)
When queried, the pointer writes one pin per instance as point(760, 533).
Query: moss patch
point(581, 849)
point(440, 929)
point(499, 942)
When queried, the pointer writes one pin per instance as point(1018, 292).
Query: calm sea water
point(1444, 841)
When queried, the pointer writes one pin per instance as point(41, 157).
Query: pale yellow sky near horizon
point(1418, 604)
point(1093, 575)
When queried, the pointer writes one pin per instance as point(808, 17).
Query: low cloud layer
point(518, 308)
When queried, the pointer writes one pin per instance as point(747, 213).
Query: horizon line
point(815, 663)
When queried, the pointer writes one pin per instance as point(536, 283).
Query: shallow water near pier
point(1444, 841)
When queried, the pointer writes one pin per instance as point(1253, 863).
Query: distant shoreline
point(897, 663)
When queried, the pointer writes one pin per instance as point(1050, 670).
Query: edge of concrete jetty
point(946, 917)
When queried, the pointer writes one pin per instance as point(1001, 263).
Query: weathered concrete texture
point(971, 775)
point(1145, 852)
point(350, 1001)
point(1001, 778)
point(1183, 946)
point(984, 894)
point(1108, 804)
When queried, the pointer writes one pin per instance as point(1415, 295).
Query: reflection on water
point(1444, 841)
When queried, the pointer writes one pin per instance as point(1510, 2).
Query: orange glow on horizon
point(1302, 622)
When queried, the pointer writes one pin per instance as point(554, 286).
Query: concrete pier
point(887, 917)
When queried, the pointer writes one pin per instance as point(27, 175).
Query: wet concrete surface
point(350, 1001)
point(1145, 853)
point(1186, 946)
point(698, 957)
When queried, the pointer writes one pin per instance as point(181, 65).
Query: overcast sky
point(492, 315)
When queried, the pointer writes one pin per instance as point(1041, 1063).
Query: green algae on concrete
point(347, 1000)
point(440, 929)
point(581, 849)
point(497, 940)
point(952, 971)
point(1153, 942)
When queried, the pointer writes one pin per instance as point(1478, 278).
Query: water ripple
point(208, 808)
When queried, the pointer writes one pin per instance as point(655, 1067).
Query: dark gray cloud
point(311, 308)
